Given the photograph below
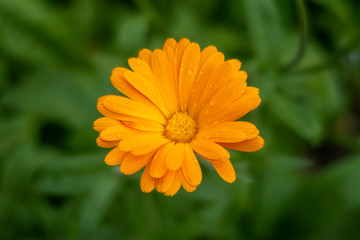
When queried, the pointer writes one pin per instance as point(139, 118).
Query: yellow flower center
point(180, 127)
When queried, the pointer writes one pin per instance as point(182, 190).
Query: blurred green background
point(56, 57)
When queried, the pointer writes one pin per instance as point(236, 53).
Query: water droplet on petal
point(138, 62)
point(215, 85)
point(182, 69)
point(208, 136)
point(190, 72)
point(119, 135)
point(212, 103)
point(207, 112)
point(201, 73)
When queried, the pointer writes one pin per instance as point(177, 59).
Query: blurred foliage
point(55, 60)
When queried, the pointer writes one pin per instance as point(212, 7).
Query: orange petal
point(219, 78)
point(188, 70)
point(104, 122)
point(186, 185)
point(131, 163)
point(117, 133)
point(158, 165)
point(201, 80)
point(142, 68)
point(128, 107)
point(145, 125)
point(163, 184)
point(229, 132)
point(235, 64)
point(170, 43)
point(111, 114)
point(164, 79)
point(179, 52)
point(145, 55)
point(140, 144)
point(225, 96)
point(246, 103)
point(147, 183)
point(148, 89)
point(226, 170)
point(106, 144)
point(174, 187)
point(191, 167)
point(176, 156)
point(119, 82)
point(250, 145)
point(205, 54)
point(209, 149)
point(115, 156)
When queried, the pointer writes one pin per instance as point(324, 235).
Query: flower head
point(178, 100)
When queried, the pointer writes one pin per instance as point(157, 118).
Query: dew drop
point(156, 157)
point(182, 69)
point(190, 72)
point(208, 136)
point(212, 103)
point(119, 135)
point(242, 91)
point(138, 62)
point(201, 73)
point(215, 85)
point(127, 101)
point(207, 112)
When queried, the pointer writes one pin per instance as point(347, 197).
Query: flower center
point(180, 127)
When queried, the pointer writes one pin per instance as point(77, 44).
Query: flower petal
point(131, 163)
point(179, 52)
point(158, 165)
point(163, 184)
point(174, 187)
point(117, 133)
point(225, 169)
point(119, 82)
point(201, 80)
point(105, 122)
point(170, 43)
point(128, 107)
point(209, 149)
point(205, 54)
point(140, 144)
point(176, 156)
point(164, 79)
point(147, 183)
point(235, 64)
point(225, 96)
point(115, 156)
point(145, 125)
point(229, 132)
point(148, 89)
point(106, 144)
point(188, 70)
point(145, 55)
point(250, 145)
point(191, 167)
point(142, 68)
point(246, 103)
point(186, 185)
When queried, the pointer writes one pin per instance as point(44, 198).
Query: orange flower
point(179, 100)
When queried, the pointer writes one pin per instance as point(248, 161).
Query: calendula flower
point(180, 100)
